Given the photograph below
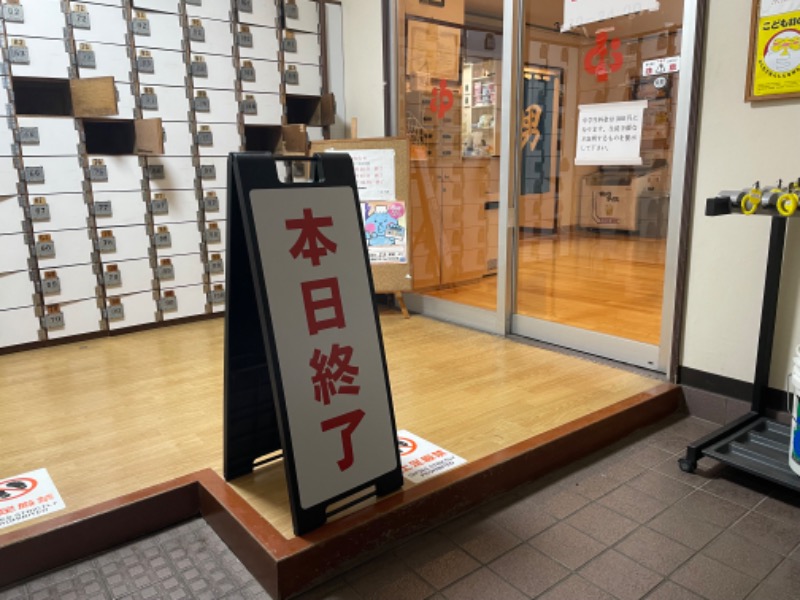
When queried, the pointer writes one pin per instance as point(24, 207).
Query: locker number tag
point(115, 312)
point(247, 73)
point(140, 25)
point(162, 239)
point(106, 244)
point(40, 212)
point(199, 69)
point(290, 45)
point(34, 174)
point(205, 138)
point(87, 59)
point(102, 208)
point(168, 304)
point(194, 2)
point(216, 266)
point(159, 206)
point(98, 173)
point(244, 39)
point(51, 286)
point(213, 236)
point(208, 172)
point(197, 33)
point(211, 204)
point(112, 279)
point(28, 135)
point(45, 249)
point(146, 64)
point(54, 321)
point(292, 11)
point(249, 106)
point(80, 19)
point(155, 172)
point(13, 13)
point(216, 297)
point(149, 101)
point(292, 77)
point(245, 5)
point(202, 104)
point(166, 272)
point(19, 55)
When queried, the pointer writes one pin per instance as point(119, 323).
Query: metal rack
point(754, 442)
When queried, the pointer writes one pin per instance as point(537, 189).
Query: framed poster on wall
point(773, 70)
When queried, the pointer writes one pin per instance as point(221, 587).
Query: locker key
point(159, 205)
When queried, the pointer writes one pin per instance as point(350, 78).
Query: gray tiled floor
point(623, 524)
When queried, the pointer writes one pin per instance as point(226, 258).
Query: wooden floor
point(111, 416)
point(604, 282)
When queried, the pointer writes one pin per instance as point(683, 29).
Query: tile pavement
point(623, 524)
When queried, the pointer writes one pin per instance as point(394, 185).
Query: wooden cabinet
point(451, 241)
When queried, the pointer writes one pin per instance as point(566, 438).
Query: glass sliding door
point(599, 108)
point(449, 98)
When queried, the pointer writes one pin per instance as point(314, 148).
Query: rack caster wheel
point(686, 465)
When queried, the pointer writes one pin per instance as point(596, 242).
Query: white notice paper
point(375, 177)
point(770, 8)
point(582, 12)
point(422, 460)
point(610, 134)
point(28, 496)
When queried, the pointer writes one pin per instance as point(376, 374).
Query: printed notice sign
point(582, 12)
point(28, 496)
point(610, 134)
point(385, 231)
point(770, 8)
point(777, 68)
point(422, 460)
point(375, 175)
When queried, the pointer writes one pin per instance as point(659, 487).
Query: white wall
point(739, 143)
point(363, 59)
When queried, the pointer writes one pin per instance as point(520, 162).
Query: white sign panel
point(375, 176)
point(422, 460)
point(327, 345)
point(610, 134)
point(770, 8)
point(28, 496)
point(582, 12)
point(661, 66)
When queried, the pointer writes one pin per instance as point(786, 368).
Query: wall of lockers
point(94, 237)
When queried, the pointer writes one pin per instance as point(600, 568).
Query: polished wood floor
point(114, 415)
point(601, 282)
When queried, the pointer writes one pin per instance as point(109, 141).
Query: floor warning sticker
point(422, 460)
point(28, 496)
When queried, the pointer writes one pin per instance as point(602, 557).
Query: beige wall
point(739, 143)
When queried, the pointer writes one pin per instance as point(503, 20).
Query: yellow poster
point(777, 68)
